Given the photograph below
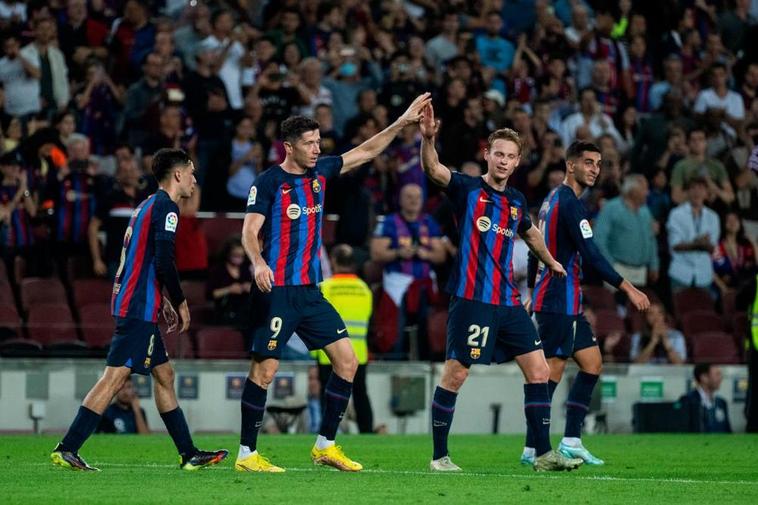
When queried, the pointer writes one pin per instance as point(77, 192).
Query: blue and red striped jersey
point(403, 233)
point(293, 206)
point(568, 236)
point(137, 291)
point(18, 232)
point(488, 220)
point(74, 207)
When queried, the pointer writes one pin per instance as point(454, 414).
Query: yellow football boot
point(334, 457)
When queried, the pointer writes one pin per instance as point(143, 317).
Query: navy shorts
point(288, 309)
point(562, 334)
point(480, 333)
point(136, 344)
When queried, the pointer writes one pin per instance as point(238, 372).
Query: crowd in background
point(667, 89)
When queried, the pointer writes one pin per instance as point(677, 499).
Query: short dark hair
point(695, 180)
point(696, 128)
point(700, 370)
point(342, 255)
point(164, 160)
point(578, 147)
point(294, 126)
point(718, 65)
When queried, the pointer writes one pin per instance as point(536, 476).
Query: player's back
point(561, 217)
point(137, 289)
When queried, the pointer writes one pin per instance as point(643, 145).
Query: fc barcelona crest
point(316, 186)
point(514, 212)
point(476, 353)
point(271, 345)
point(146, 364)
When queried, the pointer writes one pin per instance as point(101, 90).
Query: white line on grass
point(462, 474)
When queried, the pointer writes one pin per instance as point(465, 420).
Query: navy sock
point(253, 407)
point(85, 423)
point(443, 407)
point(176, 424)
point(337, 395)
point(578, 403)
point(537, 411)
point(551, 385)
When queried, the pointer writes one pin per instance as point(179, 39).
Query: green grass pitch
point(654, 469)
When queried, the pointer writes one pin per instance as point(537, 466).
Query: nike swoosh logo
point(340, 332)
point(537, 342)
point(484, 200)
point(285, 191)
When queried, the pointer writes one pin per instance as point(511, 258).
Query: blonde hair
point(505, 134)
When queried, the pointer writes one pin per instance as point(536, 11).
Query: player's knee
point(264, 376)
point(347, 367)
point(593, 368)
point(538, 374)
point(455, 378)
point(166, 377)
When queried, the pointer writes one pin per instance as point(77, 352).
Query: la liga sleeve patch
point(172, 220)
point(252, 195)
point(585, 228)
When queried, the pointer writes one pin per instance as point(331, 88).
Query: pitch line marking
point(457, 474)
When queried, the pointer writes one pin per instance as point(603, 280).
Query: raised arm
point(371, 148)
point(430, 161)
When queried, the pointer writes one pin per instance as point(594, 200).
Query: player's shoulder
point(516, 197)
point(464, 181)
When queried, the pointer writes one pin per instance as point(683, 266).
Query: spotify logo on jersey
point(484, 224)
point(294, 211)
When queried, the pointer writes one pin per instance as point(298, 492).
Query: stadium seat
point(202, 316)
point(97, 324)
point(50, 322)
point(714, 347)
point(437, 328)
point(218, 229)
point(729, 302)
point(699, 321)
point(20, 348)
point(598, 298)
point(691, 299)
point(178, 346)
point(194, 292)
point(607, 321)
point(67, 348)
point(9, 317)
point(36, 290)
point(89, 291)
point(220, 343)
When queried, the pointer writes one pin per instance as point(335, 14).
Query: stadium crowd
point(91, 89)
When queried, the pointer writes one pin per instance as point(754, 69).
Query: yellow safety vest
point(352, 299)
point(754, 318)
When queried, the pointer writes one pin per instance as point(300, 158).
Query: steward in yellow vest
point(353, 301)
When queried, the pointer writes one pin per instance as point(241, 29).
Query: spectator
point(20, 76)
point(658, 342)
point(495, 53)
point(462, 141)
point(734, 261)
point(402, 85)
point(589, 117)
point(287, 32)
point(133, 37)
point(405, 164)
point(749, 88)
point(17, 208)
point(98, 101)
point(352, 299)
point(746, 200)
point(672, 79)
point(719, 96)
point(443, 47)
point(53, 80)
point(693, 233)
point(658, 199)
point(115, 207)
point(188, 37)
point(641, 74)
point(613, 346)
point(81, 38)
point(628, 216)
point(653, 136)
point(408, 243)
point(191, 244)
point(735, 23)
point(229, 285)
point(312, 91)
point(225, 42)
point(124, 415)
point(142, 99)
point(708, 412)
point(247, 162)
point(697, 163)
point(208, 106)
